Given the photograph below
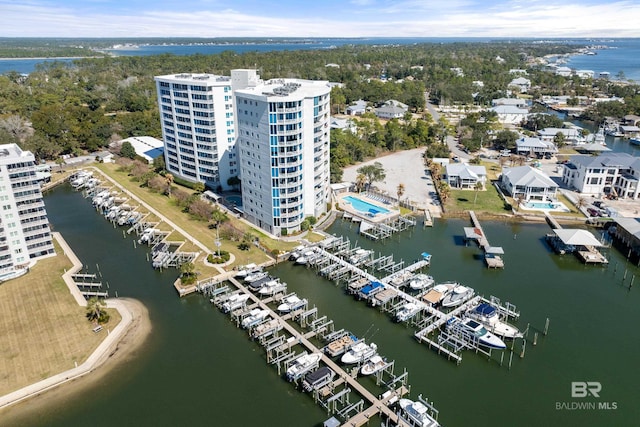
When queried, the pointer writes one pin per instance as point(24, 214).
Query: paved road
point(451, 141)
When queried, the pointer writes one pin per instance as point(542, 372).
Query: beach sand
point(120, 352)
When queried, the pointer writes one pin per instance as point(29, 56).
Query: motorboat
point(371, 289)
point(438, 292)
point(272, 288)
point(373, 365)
point(474, 329)
point(270, 326)
point(417, 413)
point(401, 279)
point(305, 257)
point(318, 378)
point(303, 365)
point(234, 302)
point(244, 271)
point(291, 303)
point(340, 345)
point(457, 296)
point(360, 352)
point(407, 311)
point(359, 256)
point(488, 316)
point(258, 284)
point(421, 281)
point(256, 275)
point(255, 317)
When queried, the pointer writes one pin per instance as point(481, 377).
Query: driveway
point(407, 168)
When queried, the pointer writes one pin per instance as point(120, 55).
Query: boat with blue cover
point(488, 315)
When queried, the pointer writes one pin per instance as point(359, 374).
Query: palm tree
point(479, 186)
point(361, 181)
point(400, 192)
point(444, 191)
point(581, 202)
point(96, 311)
point(169, 178)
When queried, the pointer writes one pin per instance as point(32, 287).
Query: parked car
point(593, 212)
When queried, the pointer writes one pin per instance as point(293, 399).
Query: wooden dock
point(377, 405)
point(492, 255)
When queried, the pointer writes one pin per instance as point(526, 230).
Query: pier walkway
point(378, 406)
point(492, 254)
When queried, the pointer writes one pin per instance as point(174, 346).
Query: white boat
point(407, 311)
point(305, 257)
point(360, 352)
point(438, 292)
point(401, 279)
point(256, 275)
point(234, 302)
point(273, 287)
point(291, 303)
point(272, 326)
point(488, 316)
point(373, 365)
point(318, 378)
point(303, 365)
point(421, 281)
point(457, 296)
point(244, 271)
point(255, 317)
point(417, 413)
point(475, 330)
point(258, 284)
point(360, 256)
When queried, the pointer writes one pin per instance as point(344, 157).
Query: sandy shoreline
point(120, 351)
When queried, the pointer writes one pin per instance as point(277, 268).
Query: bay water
point(197, 368)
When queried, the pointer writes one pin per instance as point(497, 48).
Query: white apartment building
point(283, 146)
point(614, 174)
point(25, 235)
point(198, 127)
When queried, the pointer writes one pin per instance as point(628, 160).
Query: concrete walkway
point(99, 354)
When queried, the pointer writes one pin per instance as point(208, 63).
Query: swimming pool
point(549, 206)
point(365, 207)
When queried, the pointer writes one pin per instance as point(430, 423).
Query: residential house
point(465, 176)
point(513, 102)
point(518, 71)
point(510, 115)
point(343, 124)
point(585, 74)
point(564, 71)
point(522, 84)
point(358, 108)
point(457, 71)
point(609, 174)
point(631, 120)
point(572, 135)
point(528, 183)
point(535, 146)
point(392, 109)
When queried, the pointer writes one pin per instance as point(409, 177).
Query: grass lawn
point(198, 229)
point(487, 201)
point(44, 331)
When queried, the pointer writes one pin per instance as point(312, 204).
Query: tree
point(188, 273)
point(218, 217)
point(400, 192)
point(159, 164)
point(127, 150)
point(96, 311)
point(373, 173)
point(479, 186)
point(234, 182)
point(199, 187)
point(505, 139)
point(169, 178)
point(559, 139)
point(361, 181)
point(444, 191)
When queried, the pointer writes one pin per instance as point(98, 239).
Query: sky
point(319, 18)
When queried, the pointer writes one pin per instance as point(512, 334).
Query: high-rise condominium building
point(198, 127)
point(283, 147)
point(25, 235)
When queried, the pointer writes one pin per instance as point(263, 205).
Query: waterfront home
point(464, 176)
point(528, 183)
point(392, 109)
point(535, 147)
point(564, 71)
point(572, 135)
point(585, 74)
point(609, 174)
point(358, 108)
point(631, 120)
point(629, 131)
point(627, 232)
point(514, 102)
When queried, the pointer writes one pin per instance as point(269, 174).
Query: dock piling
point(546, 327)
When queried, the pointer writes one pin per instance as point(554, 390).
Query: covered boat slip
point(582, 242)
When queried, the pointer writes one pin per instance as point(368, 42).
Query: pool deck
point(378, 218)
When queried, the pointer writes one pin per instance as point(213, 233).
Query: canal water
point(199, 369)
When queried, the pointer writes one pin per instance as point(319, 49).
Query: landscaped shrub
point(244, 246)
point(215, 259)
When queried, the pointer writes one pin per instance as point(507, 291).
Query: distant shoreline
point(40, 58)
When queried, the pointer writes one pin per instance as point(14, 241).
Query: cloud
point(410, 18)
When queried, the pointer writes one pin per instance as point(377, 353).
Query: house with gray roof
point(522, 84)
point(609, 174)
point(358, 108)
point(509, 114)
point(392, 109)
point(572, 135)
point(343, 124)
point(515, 102)
point(464, 176)
point(534, 146)
point(528, 183)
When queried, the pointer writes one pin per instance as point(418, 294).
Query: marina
point(546, 374)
